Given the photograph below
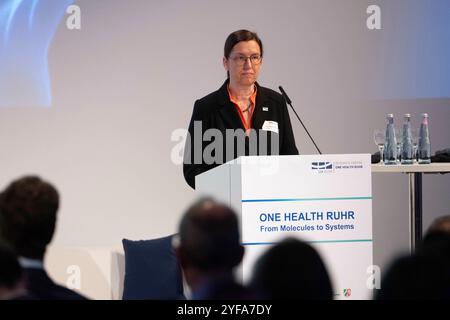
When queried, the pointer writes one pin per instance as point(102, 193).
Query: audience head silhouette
point(209, 249)
point(28, 208)
point(209, 236)
point(292, 269)
point(437, 239)
point(441, 225)
point(425, 274)
point(416, 277)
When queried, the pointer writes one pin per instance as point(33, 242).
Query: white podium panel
point(325, 200)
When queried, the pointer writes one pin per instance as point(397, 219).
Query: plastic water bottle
point(390, 142)
point(407, 144)
point(424, 148)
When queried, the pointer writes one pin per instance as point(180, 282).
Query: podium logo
point(347, 292)
point(321, 165)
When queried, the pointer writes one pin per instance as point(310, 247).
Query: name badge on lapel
point(265, 109)
point(270, 126)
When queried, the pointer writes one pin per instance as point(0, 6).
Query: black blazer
point(216, 111)
point(40, 286)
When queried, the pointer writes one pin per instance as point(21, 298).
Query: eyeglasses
point(240, 60)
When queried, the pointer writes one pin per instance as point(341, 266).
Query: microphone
point(289, 102)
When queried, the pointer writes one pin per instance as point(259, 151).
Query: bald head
point(209, 236)
point(441, 225)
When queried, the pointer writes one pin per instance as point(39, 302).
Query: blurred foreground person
point(209, 249)
point(12, 281)
point(292, 269)
point(426, 274)
point(437, 238)
point(28, 211)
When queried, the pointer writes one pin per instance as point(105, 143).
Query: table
point(414, 172)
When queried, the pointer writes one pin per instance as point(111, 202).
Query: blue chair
point(152, 271)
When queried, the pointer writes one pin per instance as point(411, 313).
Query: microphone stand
point(289, 102)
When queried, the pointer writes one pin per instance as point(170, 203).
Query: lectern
point(325, 200)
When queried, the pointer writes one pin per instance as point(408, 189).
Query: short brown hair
point(238, 36)
point(28, 208)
